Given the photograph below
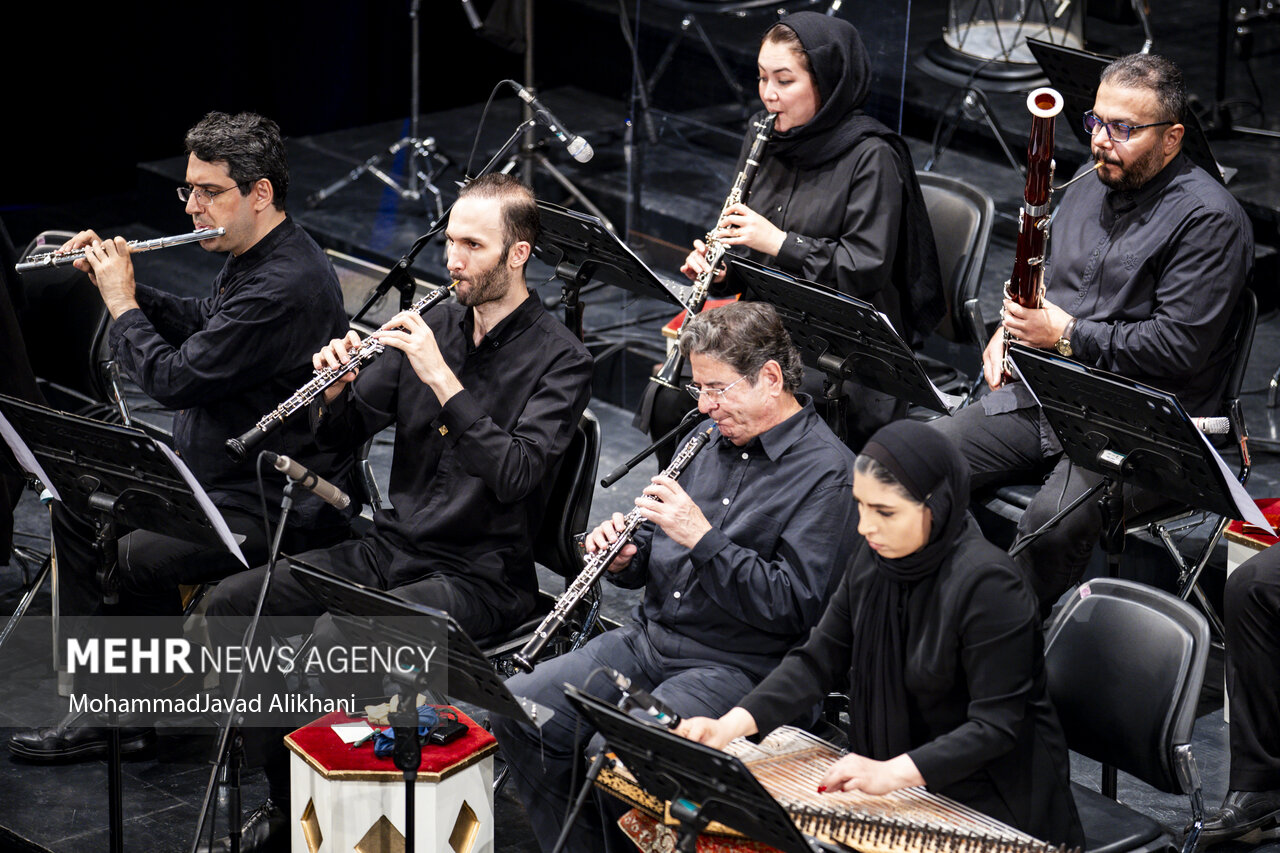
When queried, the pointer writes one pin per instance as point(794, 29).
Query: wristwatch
point(1063, 346)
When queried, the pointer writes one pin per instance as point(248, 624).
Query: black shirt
point(226, 360)
point(1153, 276)
point(470, 480)
point(842, 222)
point(782, 514)
point(982, 727)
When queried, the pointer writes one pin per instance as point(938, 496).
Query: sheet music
point(1249, 511)
point(26, 459)
point(211, 511)
point(950, 401)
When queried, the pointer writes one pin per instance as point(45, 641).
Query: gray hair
point(1154, 73)
point(745, 336)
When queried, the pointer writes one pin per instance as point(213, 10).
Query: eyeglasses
point(203, 196)
point(716, 394)
point(1117, 131)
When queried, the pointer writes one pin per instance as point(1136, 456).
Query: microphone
point(1212, 426)
point(578, 147)
point(310, 480)
point(636, 699)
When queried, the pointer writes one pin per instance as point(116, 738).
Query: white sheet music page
point(26, 459)
point(215, 517)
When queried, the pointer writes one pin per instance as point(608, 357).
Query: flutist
point(836, 198)
point(1146, 261)
point(737, 558)
point(485, 395)
point(220, 361)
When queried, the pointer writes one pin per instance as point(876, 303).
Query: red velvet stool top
point(1246, 534)
point(322, 749)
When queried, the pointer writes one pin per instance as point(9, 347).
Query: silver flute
point(325, 378)
point(595, 564)
point(61, 259)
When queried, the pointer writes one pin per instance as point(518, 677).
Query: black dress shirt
point(1152, 277)
point(226, 360)
point(983, 728)
point(782, 517)
point(470, 479)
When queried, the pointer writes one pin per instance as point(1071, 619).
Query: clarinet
point(324, 378)
point(595, 564)
point(1026, 285)
point(669, 375)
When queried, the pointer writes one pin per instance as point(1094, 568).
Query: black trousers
point(1252, 617)
point(152, 566)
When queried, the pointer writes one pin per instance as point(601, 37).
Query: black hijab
point(933, 472)
point(841, 70)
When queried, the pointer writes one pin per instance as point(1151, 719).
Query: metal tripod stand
point(421, 177)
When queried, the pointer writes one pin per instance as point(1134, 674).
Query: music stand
point(702, 784)
point(1128, 432)
point(379, 617)
point(1075, 74)
point(114, 475)
point(845, 338)
point(581, 248)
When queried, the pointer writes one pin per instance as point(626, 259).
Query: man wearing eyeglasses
point(737, 558)
point(221, 362)
point(1145, 266)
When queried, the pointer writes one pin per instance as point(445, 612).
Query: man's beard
point(488, 286)
point(1133, 176)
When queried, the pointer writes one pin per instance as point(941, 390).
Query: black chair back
point(961, 216)
point(1125, 663)
point(569, 504)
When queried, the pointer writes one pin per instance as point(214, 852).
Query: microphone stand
point(230, 751)
point(625, 468)
point(400, 277)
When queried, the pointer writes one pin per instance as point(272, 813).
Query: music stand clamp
point(845, 338)
point(581, 249)
point(701, 783)
point(1128, 432)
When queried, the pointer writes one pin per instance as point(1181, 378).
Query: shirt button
point(725, 501)
point(746, 456)
point(675, 594)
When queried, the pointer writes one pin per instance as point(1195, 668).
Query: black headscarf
point(841, 69)
point(933, 472)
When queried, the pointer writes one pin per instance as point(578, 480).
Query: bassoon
point(1026, 285)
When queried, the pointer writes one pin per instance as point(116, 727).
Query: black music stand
point(702, 784)
point(117, 476)
point(1129, 433)
point(581, 248)
point(380, 617)
point(845, 338)
point(1075, 74)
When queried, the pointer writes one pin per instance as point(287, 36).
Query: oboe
point(669, 375)
point(595, 565)
point(1026, 285)
point(60, 259)
point(325, 378)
